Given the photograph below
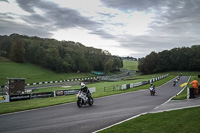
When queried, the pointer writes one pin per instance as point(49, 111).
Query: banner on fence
point(59, 93)
point(19, 97)
point(42, 95)
point(137, 84)
point(127, 86)
point(92, 89)
point(71, 92)
point(131, 85)
point(4, 98)
point(145, 82)
point(123, 86)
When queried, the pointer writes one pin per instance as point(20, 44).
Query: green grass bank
point(179, 121)
point(130, 65)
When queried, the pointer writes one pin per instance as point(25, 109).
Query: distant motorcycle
point(83, 99)
point(174, 83)
point(152, 91)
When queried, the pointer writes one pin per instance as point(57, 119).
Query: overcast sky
point(123, 27)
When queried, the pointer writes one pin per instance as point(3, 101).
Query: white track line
point(175, 109)
point(120, 122)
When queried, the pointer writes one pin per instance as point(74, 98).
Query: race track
point(106, 111)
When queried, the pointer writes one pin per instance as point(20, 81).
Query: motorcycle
point(152, 91)
point(83, 99)
point(174, 83)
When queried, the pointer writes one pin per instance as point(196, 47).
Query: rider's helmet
point(82, 85)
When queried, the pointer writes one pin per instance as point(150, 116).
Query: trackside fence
point(10, 98)
point(112, 88)
point(132, 85)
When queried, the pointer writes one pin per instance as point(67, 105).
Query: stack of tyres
point(192, 93)
point(199, 89)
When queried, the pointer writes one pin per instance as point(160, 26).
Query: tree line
point(177, 59)
point(59, 56)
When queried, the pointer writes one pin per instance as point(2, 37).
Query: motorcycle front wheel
point(79, 103)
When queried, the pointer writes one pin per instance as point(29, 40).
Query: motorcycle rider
point(174, 83)
point(85, 89)
point(152, 87)
point(176, 80)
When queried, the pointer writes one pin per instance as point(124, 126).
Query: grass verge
point(130, 65)
point(183, 94)
point(179, 121)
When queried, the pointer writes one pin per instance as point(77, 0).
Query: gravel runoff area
point(177, 104)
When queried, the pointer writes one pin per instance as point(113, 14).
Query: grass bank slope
point(130, 65)
point(32, 73)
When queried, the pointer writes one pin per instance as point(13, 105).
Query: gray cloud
point(9, 27)
point(179, 17)
point(54, 14)
point(5, 16)
point(139, 5)
point(103, 34)
point(176, 24)
point(146, 44)
point(4, 1)
point(53, 18)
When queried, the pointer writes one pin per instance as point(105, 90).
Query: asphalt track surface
point(106, 111)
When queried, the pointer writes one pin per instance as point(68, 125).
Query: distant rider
point(174, 83)
point(176, 80)
point(152, 87)
point(85, 89)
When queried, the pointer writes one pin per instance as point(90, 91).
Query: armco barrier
point(132, 85)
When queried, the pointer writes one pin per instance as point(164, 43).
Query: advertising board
point(71, 92)
point(19, 97)
point(4, 98)
point(42, 95)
